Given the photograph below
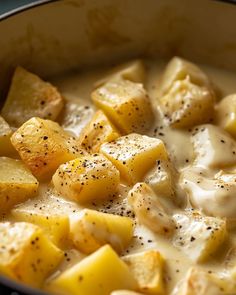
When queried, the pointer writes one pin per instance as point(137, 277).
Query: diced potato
point(199, 236)
point(6, 147)
point(179, 69)
point(93, 229)
point(133, 71)
point(55, 226)
point(28, 97)
point(43, 145)
point(147, 269)
point(149, 210)
point(124, 292)
point(100, 273)
point(200, 282)
point(187, 104)
point(75, 116)
point(16, 183)
point(126, 104)
point(87, 178)
point(26, 254)
point(213, 147)
point(226, 114)
point(160, 178)
point(98, 131)
point(134, 155)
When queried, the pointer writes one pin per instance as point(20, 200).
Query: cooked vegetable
point(6, 147)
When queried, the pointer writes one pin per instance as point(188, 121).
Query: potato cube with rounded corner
point(98, 131)
point(87, 178)
point(55, 226)
point(149, 210)
point(134, 155)
point(43, 145)
point(147, 269)
point(26, 255)
point(133, 71)
point(92, 229)
point(16, 183)
point(6, 147)
point(126, 104)
point(99, 273)
point(179, 69)
point(199, 236)
point(187, 105)
point(28, 97)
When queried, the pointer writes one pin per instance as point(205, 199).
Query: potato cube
point(147, 269)
point(6, 147)
point(126, 104)
point(26, 254)
point(87, 178)
point(133, 71)
point(226, 114)
point(100, 273)
point(16, 183)
point(200, 282)
point(43, 145)
point(186, 104)
point(93, 229)
point(125, 292)
point(134, 155)
point(98, 131)
point(199, 236)
point(179, 69)
point(55, 226)
point(28, 97)
point(149, 210)
point(213, 147)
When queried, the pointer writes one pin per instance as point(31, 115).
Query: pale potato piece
point(187, 105)
point(92, 229)
point(149, 210)
point(28, 97)
point(226, 114)
point(134, 155)
point(6, 147)
point(100, 273)
point(26, 254)
point(126, 104)
point(16, 183)
point(199, 236)
point(213, 147)
point(43, 145)
point(87, 178)
point(147, 269)
point(124, 292)
point(179, 69)
point(98, 131)
point(133, 71)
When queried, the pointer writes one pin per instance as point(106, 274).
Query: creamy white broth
point(76, 88)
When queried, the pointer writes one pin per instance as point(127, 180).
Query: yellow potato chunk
point(16, 183)
point(98, 131)
point(179, 69)
point(124, 292)
point(28, 97)
point(133, 71)
point(147, 269)
point(55, 226)
point(149, 210)
point(187, 104)
point(134, 155)
point(226, 114)
point(6, 147)
point(87, 178)
point(200, 282)
point(126, 104)
point(100, 273)
point(93, 229)
point(199, 236)
point(26, 254)
point(43, 145)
